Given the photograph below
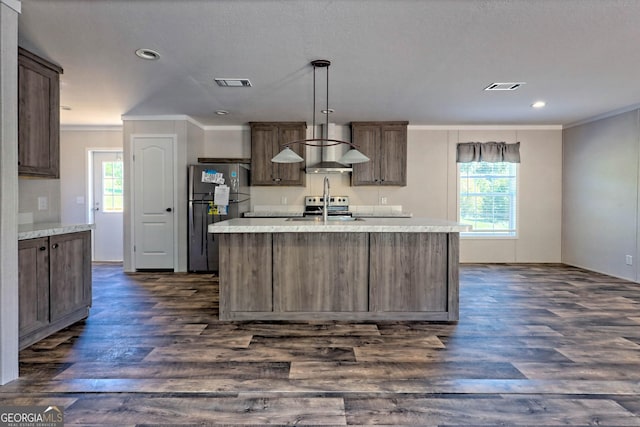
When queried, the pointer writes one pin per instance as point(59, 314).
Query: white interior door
point(153, 196)
point(107, 205)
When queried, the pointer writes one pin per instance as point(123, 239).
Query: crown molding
point(184, 117)
point(484, 127)
point(91, 128)
point(604, 116)
point(13, 4)
point(167, 117)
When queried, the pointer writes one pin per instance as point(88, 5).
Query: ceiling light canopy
point(148, 54)
point(287, 155)
point(538, 104)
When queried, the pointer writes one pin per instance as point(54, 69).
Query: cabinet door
point(70, 273)
point(393, 155)
point(266, 142)
point(263, 140)
point(38, 116)
point(33, 278)
point(408, 272)
point(292, 174)
point(367, 138)
point(385, 143)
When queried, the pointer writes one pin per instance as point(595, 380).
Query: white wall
point(431, 177)
point(30, 189)
point(600, 206)
point(75, 145)
point(431, 189)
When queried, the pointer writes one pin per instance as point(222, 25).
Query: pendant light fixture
point(287, 155)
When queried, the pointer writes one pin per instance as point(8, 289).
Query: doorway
point(107, 205)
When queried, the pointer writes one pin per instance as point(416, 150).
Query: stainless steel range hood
point(328, 162)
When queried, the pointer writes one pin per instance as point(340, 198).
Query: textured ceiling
point(423, 61)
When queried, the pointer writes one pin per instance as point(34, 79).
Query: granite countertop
point(368, 225)
point(33, 231)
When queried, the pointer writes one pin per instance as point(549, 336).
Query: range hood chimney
point(329, 155)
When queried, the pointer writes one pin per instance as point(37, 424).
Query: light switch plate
point(43, 203)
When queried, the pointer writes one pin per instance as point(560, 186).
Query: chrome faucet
point(325, 199)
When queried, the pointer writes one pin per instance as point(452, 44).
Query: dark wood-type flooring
point(539, 345)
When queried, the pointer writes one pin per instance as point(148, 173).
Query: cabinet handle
point(168, 209)
point(55, 246)
point(42, 248)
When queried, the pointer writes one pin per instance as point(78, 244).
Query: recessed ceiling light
point(221, 112)
point(538, 104)
point(227, 82)
point(65, 108)
point(329, 111)
point(504, 86)
point(147, 54)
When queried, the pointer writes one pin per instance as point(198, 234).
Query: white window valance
point(492, 152)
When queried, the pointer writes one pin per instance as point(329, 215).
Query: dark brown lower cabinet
point(33, 271)
point(54, 284)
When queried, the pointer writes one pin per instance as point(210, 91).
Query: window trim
point(471, 235)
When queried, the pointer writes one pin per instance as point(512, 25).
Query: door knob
point(168, 209)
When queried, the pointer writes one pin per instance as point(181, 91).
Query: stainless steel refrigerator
point(206, 197)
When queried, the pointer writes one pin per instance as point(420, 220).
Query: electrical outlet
point(283, 200)
point(43, 203)
point(628, 259)
point(383, 200)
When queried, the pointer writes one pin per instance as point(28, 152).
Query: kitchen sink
point(319, 219)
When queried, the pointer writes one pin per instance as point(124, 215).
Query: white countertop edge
point(34, 231)
point(369, 225)
point(279, 214)
point(272, 214)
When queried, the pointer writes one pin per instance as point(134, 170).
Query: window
point(112, 198)
point(488, 198)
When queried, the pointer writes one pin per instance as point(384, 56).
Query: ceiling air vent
point(233, 82)
point(504, 86)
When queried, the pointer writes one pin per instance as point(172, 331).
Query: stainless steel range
point(337, 206)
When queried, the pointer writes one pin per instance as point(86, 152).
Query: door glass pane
point(112, 199)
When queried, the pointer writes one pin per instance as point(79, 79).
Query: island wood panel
point(408, 272)
point(453, 281)
point(245, 273)
point(320, 272)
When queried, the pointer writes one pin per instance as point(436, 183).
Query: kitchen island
point(364, 269)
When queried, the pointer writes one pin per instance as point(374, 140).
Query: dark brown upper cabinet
point(38, 116)
point(266, 141)
point(385, 143)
